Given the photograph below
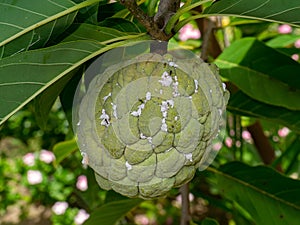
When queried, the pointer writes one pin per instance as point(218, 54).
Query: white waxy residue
point(149, 139)
point(142, 136)
point(166, 80)
point(104, 118)
point(85, 159)
point(220, 111)
point(175, 89)
point(176, 118)
point(139, 111)
point(106, 97)
point(173, 64)
point(128, 166)
point(165, 114)
point(164, 106)
point(189, 157)
point(196, 85)
point(114, 107)
point(148, 96)
point(171, 102)
point(224, 86)
point(164, 126)
point(78, 124)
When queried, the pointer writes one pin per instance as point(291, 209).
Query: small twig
point(185, 205)
point(166, 9)
point(139, 14)
point(154, 25)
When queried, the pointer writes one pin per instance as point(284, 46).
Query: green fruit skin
point(148, 123)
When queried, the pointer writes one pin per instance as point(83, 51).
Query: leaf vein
point(251, 10)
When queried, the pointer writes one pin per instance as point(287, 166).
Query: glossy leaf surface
point(283, 11)
point(270, 198)
point(262, 73)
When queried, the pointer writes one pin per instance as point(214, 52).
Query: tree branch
point(154, 25)
point(166, 9)
point(262, 144)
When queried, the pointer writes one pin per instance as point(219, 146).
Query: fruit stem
point(159, 47)
point(185, 205)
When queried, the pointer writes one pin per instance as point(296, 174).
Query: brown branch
point(210, 45)
point(154, 25)
point(185, 205)
point(166, 9)
point(262, 144)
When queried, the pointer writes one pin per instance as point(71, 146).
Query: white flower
point(60, 208)
point(28, 159)
point(34, 177)
point(81, 217)
point(47, 156)
point(82, 183)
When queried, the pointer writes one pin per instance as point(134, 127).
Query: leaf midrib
point(48, 20)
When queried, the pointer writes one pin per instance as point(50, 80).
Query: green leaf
point(111, 213)
point(41, 68)
point(88, 14)
point(67, 95)
point(282, 41)
point(241, 104)
point(262, 73)
point(270, 198)
point(93, 32)
point(63, 149)
point(121, 25)
point(26, 25)
point(282, 11)
point(109, 10)
point(208, 221)
point(44, 102)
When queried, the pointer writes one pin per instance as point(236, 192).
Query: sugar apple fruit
point(146, 124)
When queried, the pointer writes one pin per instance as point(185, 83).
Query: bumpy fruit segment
point(148, 123)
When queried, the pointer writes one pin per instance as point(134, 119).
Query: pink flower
point(82, 183)
point(217, 146)
point(179, 199)
point(246, 135)
point(81, 217)
point(28, 159)
point(47, 156)
point(295, 57)
point(141, 219)
point(189, 32)
point(34, 177)
point(228, 142)
point(283, 132)
point(285, 29)
point(297, 43)
point(59, 208)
